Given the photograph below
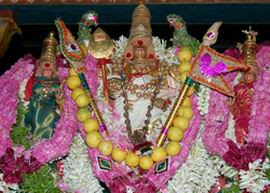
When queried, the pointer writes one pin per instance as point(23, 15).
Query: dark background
point(36, 21)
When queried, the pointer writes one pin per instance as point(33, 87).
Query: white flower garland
point(197, 174)
point(254, 179)
point(77, 169)
point(203, 98)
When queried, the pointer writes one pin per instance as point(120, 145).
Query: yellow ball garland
point(181, 122)
point(72, 72)
point(187, 102)
point(105, 147)
point(159, 154)
point(118, 155)
point(73, 82)
point(83, 114)
point(183, 76)
point(175, 133)
point(76, 92)
point(185, 66)
point(146, 162)
point(132, 160)
point(90, 125)
point(173, 148)
point(82, 101)
point(188, 113)
point(93, 139)
point(185, 55)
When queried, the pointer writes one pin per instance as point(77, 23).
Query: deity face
point(47, 69)
point(140, 52)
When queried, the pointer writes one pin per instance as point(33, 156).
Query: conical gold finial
point(140, 32)
point(49, 48)
point(249, 47)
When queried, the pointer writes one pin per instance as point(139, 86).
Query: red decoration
point(128, 55)
point(151, 56)
point(140, 43)
point(47, 65)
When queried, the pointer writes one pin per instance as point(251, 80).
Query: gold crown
point(141, 18)
point(49, 48)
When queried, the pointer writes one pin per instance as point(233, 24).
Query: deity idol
point(143, 93)
point(126, 131)
point(37, 117)
point(44, 91)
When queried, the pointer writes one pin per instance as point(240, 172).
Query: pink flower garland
point(10, 84)
point(45, 150)
point(259, 125)
point(121, 176)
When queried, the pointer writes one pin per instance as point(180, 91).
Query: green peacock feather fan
point(68, 45)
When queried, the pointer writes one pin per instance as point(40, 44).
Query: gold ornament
point(101, 45)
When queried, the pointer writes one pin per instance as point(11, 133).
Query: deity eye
point(210, 35)
point(73, 48)
point(171, 20)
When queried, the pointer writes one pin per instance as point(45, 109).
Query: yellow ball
point(82, 115)
point(185, 55)
point(132, 160)
point(187, 102)
point(188, 113)
point(93, 139)
point(175, 134)
point(173, 148)
point(183, 76)
point(181, 111)
point(90, 125)
point(159, 154)
point(190, 91)
point(76, 92)
point(72, 72)
point(146, 162)
point(82, 101)
point(181, 122)
point(185, 66)
point(105, 147)
point(73, 82)
point(118, 155)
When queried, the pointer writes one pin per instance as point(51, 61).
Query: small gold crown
point(49, 48)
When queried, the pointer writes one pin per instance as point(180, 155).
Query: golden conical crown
point(49, 48)
point(141, 22)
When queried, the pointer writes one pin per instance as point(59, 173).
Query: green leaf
point(234, 188)
point(40, 181)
